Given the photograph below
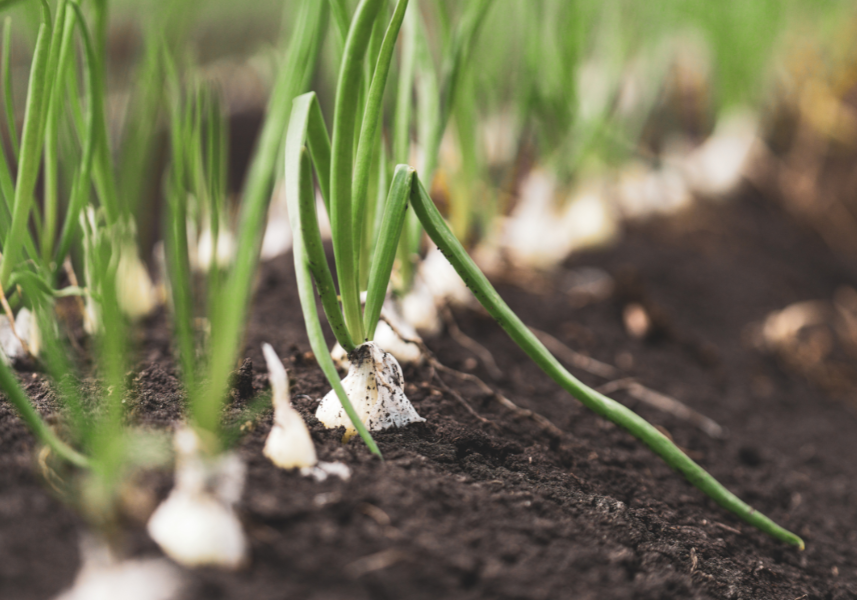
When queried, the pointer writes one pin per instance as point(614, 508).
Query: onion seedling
point(95, 459)
point(41, 258)
point(22, 259)
point(373, 370)
point(228, 311)
point(333, 167)
point(198, 171)
point(440, 233)
point(197, 524)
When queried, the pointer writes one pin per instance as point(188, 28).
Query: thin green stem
point(339, 9)
point(229, 314)
point(138, 151)
point(61, 44)
point(80, 186)
point(385, 248)
point(427, 115)
point(320, 270)
point(51, 183)
point(440, 233)
point(7, 190)
point(402, 120)
point(51, 125)
point(302, 114)
point(434, 114)
point(366, 147)
point(342, 152)
point(302, 110)
point(462, 208)
point(299, 190)
point(319, 147)
point(109, 431)
point(34, 421)
point(28, 166)
point(176, 243)
point(380, 193)
point(292, 79)
point(8, 101)
point(102, 172)
point(371, 215)
point(53, 63)
point(456, 56)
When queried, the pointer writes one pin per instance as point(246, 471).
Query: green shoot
point(342, 151)
point(80, 185)
point(611, 410)
point(310, 262)
point(108, 448)
point(6, 74)
point(28, 166)
point(307, 251)
point(137, 151)
point(385, 249)
point(339, 9)
point(197, 194)
point(454, 60)
point(318, 262)
point(307, 248)
point(346, 203)
point(51, 67)
point(10, 386)
point(316, 336)
point(101, 431)
point(176, 242)
point(402, 118)
point(436, 100)
point(229, 313)
point(366, 146)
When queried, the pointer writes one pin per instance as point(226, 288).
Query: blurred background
point(570, 116)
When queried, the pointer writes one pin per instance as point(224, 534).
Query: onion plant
point(196, 190)
point(96, 442)
point(99, 441)
point(97, 450)
point(92, 458)
point(65, 138)
point(196, 524)
point(338, 169)
point(29, 261)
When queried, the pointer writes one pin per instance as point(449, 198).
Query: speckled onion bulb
point(196, 525)
point(375, 386)
point(289, 444)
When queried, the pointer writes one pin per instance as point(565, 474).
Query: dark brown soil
point(465, 509)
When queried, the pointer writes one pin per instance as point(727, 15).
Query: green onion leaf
point(611, 410)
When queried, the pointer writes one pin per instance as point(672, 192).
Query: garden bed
point(464, 508)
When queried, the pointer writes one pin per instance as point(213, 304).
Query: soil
point(466, 508)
